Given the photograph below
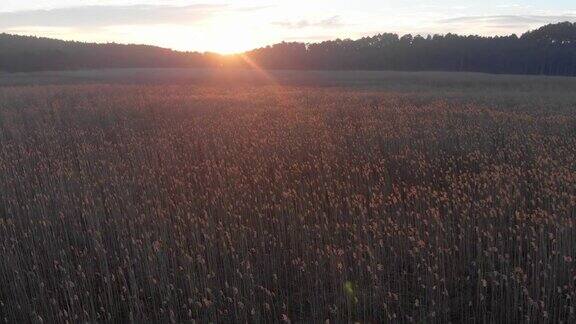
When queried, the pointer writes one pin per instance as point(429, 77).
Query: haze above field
point(234, 26)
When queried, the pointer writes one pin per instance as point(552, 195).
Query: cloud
point(332, 22)
point(104, 15)
point(500, 24)
point(311, 38)
point(509, 20)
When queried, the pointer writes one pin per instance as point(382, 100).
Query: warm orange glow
point(229, 36)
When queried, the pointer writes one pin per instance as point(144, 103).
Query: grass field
point(145, 195)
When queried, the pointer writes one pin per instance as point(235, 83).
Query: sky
point(234, 26)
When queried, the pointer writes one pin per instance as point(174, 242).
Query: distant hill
point(27, 53)
point(549, 50)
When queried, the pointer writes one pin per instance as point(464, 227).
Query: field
point(369, 197)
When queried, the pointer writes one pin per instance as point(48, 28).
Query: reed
point(265, 204)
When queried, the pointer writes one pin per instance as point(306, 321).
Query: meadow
point(368, 197)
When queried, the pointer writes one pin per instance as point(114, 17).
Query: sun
point(230, 37)
point(226, 35)
point(230, 45)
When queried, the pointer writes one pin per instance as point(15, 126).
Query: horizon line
point(276, 43)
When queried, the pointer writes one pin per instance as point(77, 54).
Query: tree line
point(27, 53)
point(549, 50)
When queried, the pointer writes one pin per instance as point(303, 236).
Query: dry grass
point(181, 203)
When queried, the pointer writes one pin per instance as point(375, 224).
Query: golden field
point(267, 203)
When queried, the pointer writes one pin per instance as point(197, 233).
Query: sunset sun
point(230, 35)
point(220, 41)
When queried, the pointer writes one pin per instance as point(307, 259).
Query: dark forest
point(549, 50)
